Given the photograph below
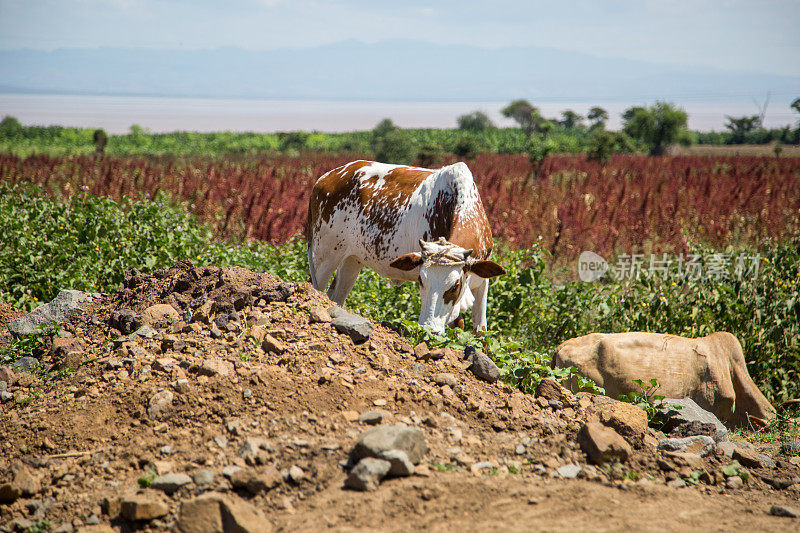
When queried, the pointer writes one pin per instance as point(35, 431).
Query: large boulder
point(57, 311)
point(380, 439)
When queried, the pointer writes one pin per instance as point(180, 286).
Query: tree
point(475, 121)
point(10, 127)
point(741, 126)
point(796, 105)
point(657, 126)
point(602, 144)
point(598, 117)
point(570, 119)
point(525, 114)
point(391, 144)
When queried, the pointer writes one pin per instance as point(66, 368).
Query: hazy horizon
point(116, 114)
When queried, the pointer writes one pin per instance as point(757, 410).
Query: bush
point(396, 147)
point(475, 121)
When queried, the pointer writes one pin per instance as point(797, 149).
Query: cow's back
point(614, 360)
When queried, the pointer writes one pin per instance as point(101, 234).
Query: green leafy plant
point(658, 411)
point(146, 480)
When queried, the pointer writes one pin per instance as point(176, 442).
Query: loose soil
point(89, 428)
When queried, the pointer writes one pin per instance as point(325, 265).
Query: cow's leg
point(346, 276)
point(480, 290)
point(324, 265)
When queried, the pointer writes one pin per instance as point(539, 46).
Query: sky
point(758, 36)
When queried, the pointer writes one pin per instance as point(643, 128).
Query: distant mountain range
point(388, 70)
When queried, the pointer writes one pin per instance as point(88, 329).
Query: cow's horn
point(422, 244)
point(468, 252)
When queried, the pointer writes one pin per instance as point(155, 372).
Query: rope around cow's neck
point(445, 256)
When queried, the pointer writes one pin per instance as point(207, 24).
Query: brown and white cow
point(407, 224)
point(710, 370)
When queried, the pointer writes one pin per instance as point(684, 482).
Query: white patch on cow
point(349, 240)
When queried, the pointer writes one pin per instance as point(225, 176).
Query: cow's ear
point(407, 262)
point(485, 269)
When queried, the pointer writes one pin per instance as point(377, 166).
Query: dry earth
point(274, 390)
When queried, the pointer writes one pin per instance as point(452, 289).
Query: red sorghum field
point(632, 203)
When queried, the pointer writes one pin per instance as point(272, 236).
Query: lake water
point(116, 114)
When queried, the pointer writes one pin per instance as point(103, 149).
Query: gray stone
point(367, 474)
point(3, 386)
point(6, 396)
point(203, 477)
point(169, 483)
point(784, 510)
point(229, 471)
point(57, 311)
point(401, 466)
point(24, 364)
point(676, 483)
point(702, 445)
point(766, 461)
point(380, 439)
point(373, 417)
point(66, 527)
point(726, 448)
point(357, 327)
point(144, 332)
point(481, 365)
point(691, 412)
point(569, 471)
point(255, 450)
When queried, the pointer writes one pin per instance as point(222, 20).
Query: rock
point(734, 482)
point(766, 461)
point(144, 332)
point(217, 513)
point(357, 327)
point(401, 466)
point(170, 483)
point(160, 313)
point(602, 444)
point(367, 474)
point(747, 457)
point(296, 475)
point(445, 379)
point(569, 471)
point(57, 311)
point(160, 404)
point(271, 344)
point(256, 481)
point(319, 314)
point(691, 412)
point(551, 390)
point(142, 507)
point(481, 365)
point(278, 293)
point(373, 417)
point(726, 448)
point(421, 351)
point(375, 441)
point(213, 366)
point(627, 419)
point(9, 493)
point(676, 483)
point(784, 510)
point(63, 345)
point(125, 320)
point(787, 448)
point(7, 375)
point(203, 477)
point(695, 428)
point(24, 364)
point(255, 450)
point(701, 445)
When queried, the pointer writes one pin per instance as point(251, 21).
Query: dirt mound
point(235, 385)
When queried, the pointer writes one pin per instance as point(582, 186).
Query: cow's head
point(443, 270)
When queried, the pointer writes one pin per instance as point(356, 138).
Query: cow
point(710, 370)
point(406, 224)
